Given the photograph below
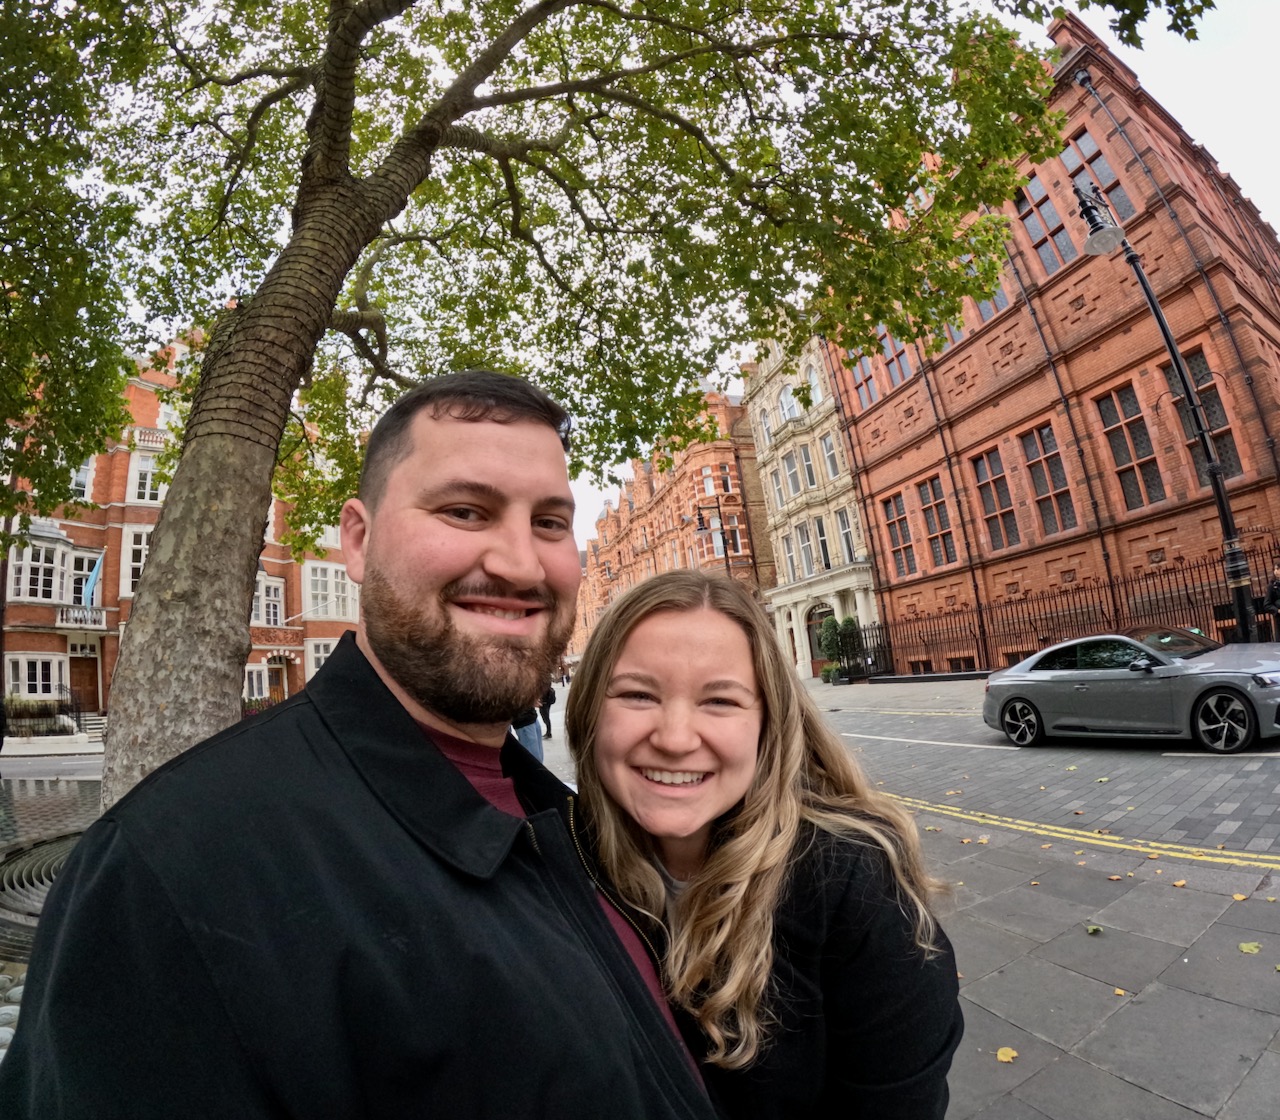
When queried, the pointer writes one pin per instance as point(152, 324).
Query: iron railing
point(1193, 594)
point(55, 713)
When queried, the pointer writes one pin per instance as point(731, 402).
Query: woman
point(788, 898)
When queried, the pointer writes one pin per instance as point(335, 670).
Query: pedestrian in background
point(787, 897)
point(544, 707)
point(527, 732)
point(368, 901)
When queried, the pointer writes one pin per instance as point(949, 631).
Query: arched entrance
point(818, 613)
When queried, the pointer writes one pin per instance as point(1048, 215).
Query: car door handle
point(1082, 688)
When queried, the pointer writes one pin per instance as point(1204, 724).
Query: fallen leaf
point(1159, 870)
point(1082, 863)
point(932, 828)
point(953, 792)
point(1079, 812)
point(966, 840)
point(1102, 831)
point(1093, 929)
point(1250, 946)
point(1073, 767)
point(984, 839)
point(1240, 897)
point(959, 975)
point(1179, 882)
point(1271, 900)
point(1114, 878)
point(1035, 882)
point(1046, 845)
point(1131, 807)
point(1042, 787)
point(1154, 855)
point(1102, 779)
point(1121, 992)
point(1079, 853)
point(1130, 874)
point(1222, 847)
point(1006, 1054)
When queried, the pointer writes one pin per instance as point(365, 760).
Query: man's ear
point(354, 526)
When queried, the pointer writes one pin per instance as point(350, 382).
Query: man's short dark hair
point(473, 394)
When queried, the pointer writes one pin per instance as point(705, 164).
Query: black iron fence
point(992, 636)
point(57, 713)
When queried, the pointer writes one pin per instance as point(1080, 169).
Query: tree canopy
point(602, 195)
point(62, 359)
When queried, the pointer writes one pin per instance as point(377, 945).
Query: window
point(828, 445)
point(1216, 421)
point(1107, 653)
point(708, 482)
point(317, 654)
point(937, 521)
point(820, 533)
point(39, 572)
point(815, 384)
point(1131, 449)
point(268, 602)
point(255, 682)
point(951, 332)
point(1040, 219)
point(895, 519)
point(864, 383)
point(726, 480)
point(793, 473)
point(997, 502)
point(846, 535)
point(146, 484)
point(331, 537)
point(787, 407)
point(895, 356)
point(1088, 164)
point(330, 594)
point(778, 495)
point(36, 675)
point(987, 308)
point(715, 536)
point(806, 460)
point(790, 553)
point(81, 481)
point(733, 528)
point(806, 549)
point(1049, 480)
point(82, 564)
point(137, 547)
point(766, 429)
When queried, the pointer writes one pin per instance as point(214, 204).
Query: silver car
point(1159, 681)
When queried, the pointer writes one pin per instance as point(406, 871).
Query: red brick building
point(654, 525)
point(54, 638)
point(1049, 444)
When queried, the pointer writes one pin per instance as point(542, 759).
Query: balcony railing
point(82, 618)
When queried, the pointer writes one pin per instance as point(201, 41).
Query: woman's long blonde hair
point(721, 938)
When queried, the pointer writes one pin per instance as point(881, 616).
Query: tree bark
point(184, 647)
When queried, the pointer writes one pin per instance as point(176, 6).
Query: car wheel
point(1224, 722)
point(1022, 723)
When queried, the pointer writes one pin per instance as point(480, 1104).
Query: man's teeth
point(674, 777)
point(498, 612)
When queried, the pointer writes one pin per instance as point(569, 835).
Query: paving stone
point(1071, 1089)
point(1049, 1001)
point(1083, 885)
point(1162, 911)
point(1027, 862)
point(1255, 914)
point(1187, 1047)
point(1113, 957)
point(1009, 1108)
point(1030, 913)
point(1258, 1097)
point(977, 1079)
point(982, 948)
point(1215, 966)
point(981, 878)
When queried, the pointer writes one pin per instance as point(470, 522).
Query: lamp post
point(704, 530)
point(1105, 236)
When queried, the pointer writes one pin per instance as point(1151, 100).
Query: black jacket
point(866, 1026)
point(315, 915)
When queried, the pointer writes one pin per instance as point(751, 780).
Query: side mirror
point(1141, 665)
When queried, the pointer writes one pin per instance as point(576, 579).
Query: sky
point(1220, 88)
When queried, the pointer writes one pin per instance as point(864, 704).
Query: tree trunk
point(184, 647)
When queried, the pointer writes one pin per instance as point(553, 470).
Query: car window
point(1108, 653)
point(1064, 658)
point(1174, 642)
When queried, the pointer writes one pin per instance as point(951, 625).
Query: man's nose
point(512, 556)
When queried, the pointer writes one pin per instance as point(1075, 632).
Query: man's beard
point(466, 678)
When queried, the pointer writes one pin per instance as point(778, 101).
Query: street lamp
point(704, 531)
point(1105, 236)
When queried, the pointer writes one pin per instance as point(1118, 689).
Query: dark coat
point(315, 915)
point(866, 1026)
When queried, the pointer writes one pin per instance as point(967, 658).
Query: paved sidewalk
point(1158, 1014)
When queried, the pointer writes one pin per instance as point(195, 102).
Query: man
point(369, 902)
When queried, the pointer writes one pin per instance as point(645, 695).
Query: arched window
point(787, 407)
point(815, 384)
point(766, 429)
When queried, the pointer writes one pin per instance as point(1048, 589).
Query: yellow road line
point(1080, 836)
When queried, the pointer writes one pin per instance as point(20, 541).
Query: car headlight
point(1267, 680)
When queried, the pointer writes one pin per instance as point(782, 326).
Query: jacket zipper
point(533, 838)
point(586, 865)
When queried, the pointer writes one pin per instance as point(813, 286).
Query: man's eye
point(462, 513)
point(551, 525)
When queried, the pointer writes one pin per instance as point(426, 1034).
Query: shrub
point(829, 638)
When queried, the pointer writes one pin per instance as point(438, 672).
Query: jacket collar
point(418, 786)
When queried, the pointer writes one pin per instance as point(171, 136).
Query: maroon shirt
point(482, 767)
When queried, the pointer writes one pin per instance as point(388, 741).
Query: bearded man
point(369, 901)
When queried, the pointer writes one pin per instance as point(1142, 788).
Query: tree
point(62, 363)
point(598, 194)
